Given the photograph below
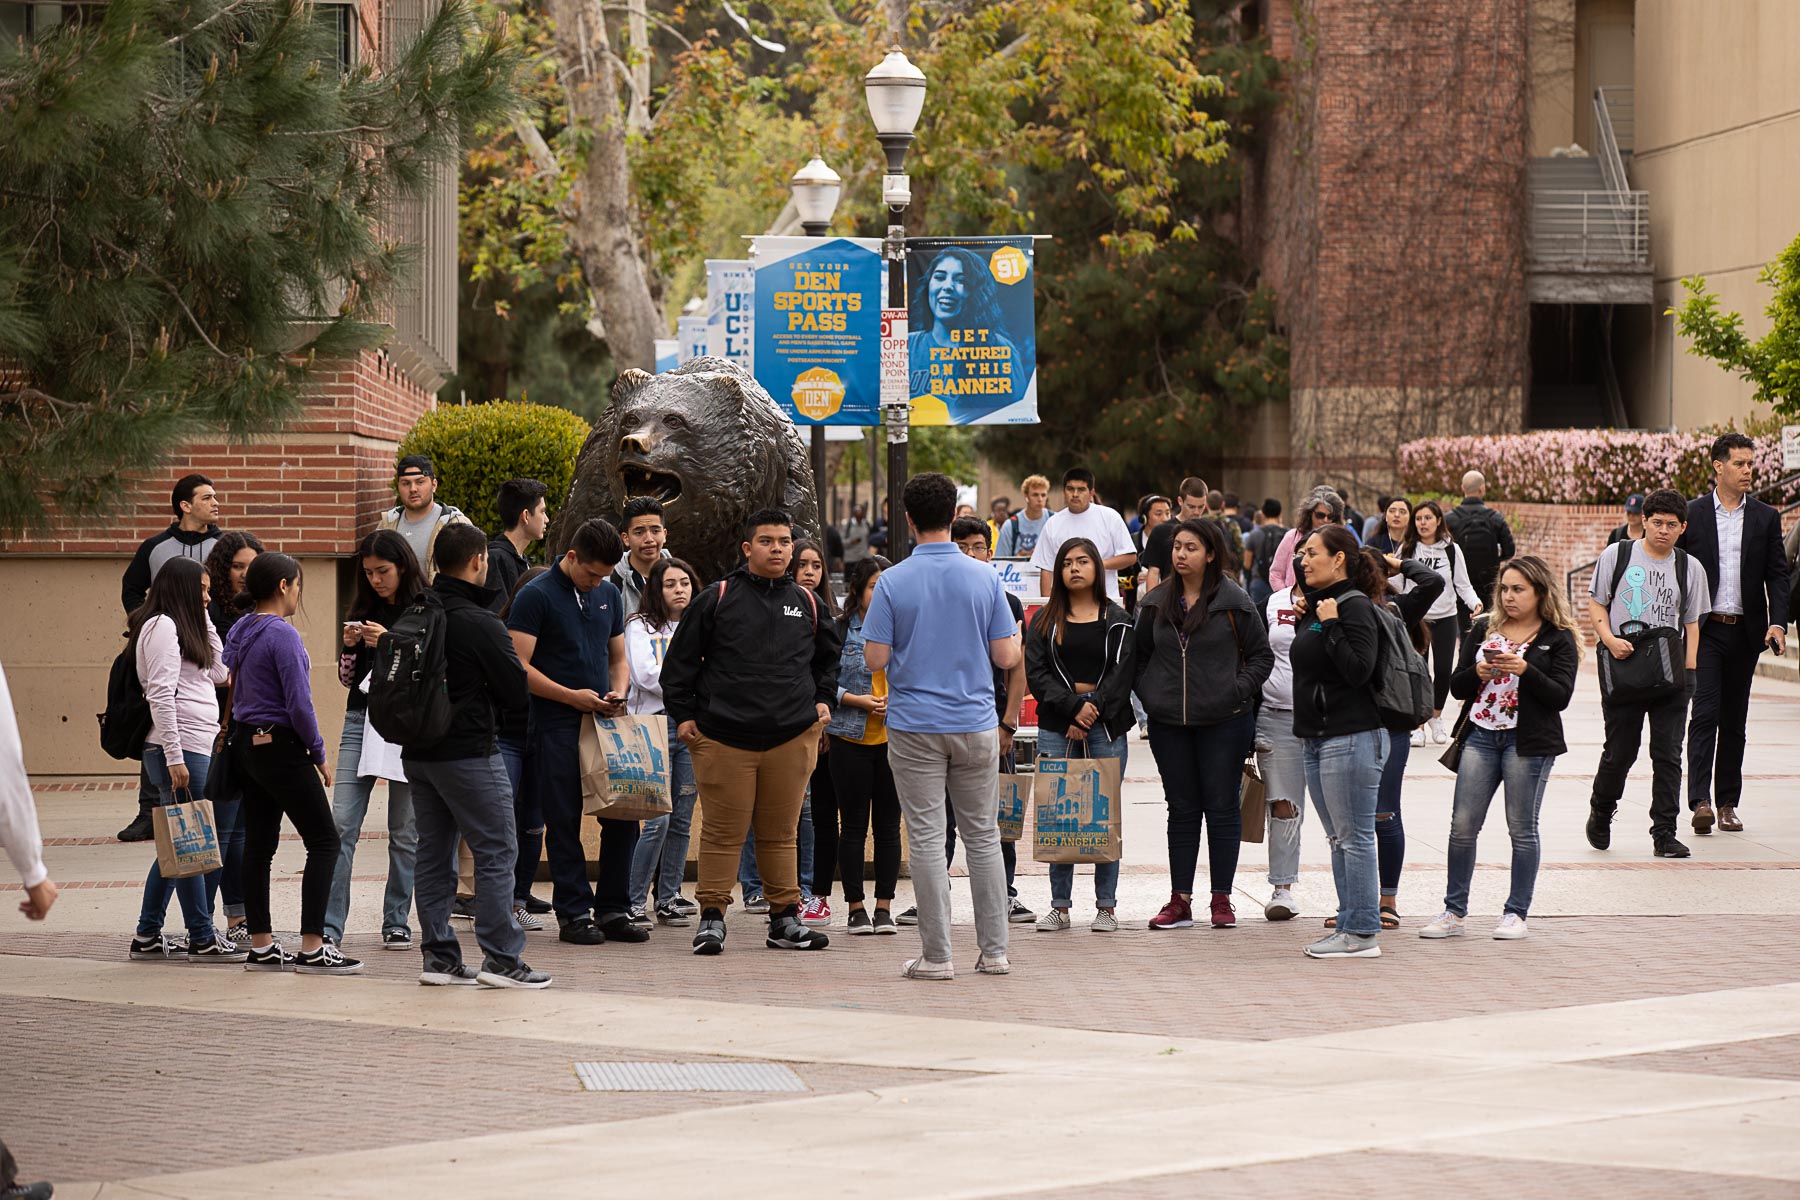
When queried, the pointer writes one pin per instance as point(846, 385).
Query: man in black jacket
point(1737, 539)
point(749, 679)
point(523, 520)
point(1484, 536)
point(459, 783)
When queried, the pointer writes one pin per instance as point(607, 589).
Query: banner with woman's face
point(972, 331)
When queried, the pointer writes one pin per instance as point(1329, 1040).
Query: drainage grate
point(686, 1077)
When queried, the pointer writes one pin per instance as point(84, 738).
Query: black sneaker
point(710, 937)
point(239, 935)
point(538, 908)
point(158, 948)
point(638, 915)
point(1018, 914)
point(448, 975)
point(859, 922)
point(1599, 828)
point(668, 914)
point(516, 976)
point(140, 830)
point(685, 905)
point(462, 910)
point(28, 1191)
point(787, 932)
point(620, 927)
point(582, 931)
point(396, 939)
point(884, 922)
point(326, 960)
point(1670, 848)
point(219, 950)
point(270, 958)
point(909, 917)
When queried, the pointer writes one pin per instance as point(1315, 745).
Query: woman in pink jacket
point(180, 661)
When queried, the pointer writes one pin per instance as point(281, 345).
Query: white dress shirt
point(1728, 597)
point(18, 817)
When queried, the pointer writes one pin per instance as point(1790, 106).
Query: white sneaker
point(1511, 928)
point(1418, 736)
point(992, 966)
point(1054, 920)
point(1281, 906)
point(1438, 734)
point(1104, 922)
point(1445, 925)
point(918, 968)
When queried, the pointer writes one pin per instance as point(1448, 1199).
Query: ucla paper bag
point(625, 768)
point(187, 841)
point(1015, 794)
point(1076, 801)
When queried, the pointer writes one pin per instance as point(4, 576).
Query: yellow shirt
point(874, 726)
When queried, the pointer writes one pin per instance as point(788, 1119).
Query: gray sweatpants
point(473, 796)
point(927, 767)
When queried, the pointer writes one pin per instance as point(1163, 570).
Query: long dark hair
point(218, 563)
point(1213, 538)
point(980, 310)
point(1412, 527)
point(652, 609)
point(1362, 574)
point(530, 574)
point(264, 579)
point(1421, 636)
point(1050, 619)
point(175, 593)
point(828, 608)
point(389, 546)
point(856, 579)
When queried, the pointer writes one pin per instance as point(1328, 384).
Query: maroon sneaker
point(1223, 915)
point(1176, 914)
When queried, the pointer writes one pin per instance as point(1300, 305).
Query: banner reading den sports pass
point(818, 327)
point(972, 336)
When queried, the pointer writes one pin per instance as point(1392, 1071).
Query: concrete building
point(310, 492)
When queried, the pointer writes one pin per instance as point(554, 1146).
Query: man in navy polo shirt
point(568, 626)
point(939, 623)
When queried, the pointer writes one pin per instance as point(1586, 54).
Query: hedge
point(1576, 466)
point(477, 447)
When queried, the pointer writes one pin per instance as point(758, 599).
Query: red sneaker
point(1176, 914)
point(1223, 915)
point(816, 912)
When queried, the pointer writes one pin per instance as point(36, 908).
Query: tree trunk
point(600, 228)
point(638, 29)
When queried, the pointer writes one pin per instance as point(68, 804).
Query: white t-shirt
point(1101, 525)
point(1278, 692)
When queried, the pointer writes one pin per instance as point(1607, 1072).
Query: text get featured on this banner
point(972, 335)
point(818, 327)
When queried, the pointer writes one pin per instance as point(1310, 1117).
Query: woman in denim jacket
point(859, 763)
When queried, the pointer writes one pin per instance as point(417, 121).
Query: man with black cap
point(1633, 528)
point(418, 517)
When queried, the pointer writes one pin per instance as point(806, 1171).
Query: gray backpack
point(1402, 682)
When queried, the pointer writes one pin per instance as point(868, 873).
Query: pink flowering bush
point(1577, 466)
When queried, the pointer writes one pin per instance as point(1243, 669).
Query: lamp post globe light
point(816, 188)
point(895, 90)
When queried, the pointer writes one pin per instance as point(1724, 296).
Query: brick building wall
point(1388, 209)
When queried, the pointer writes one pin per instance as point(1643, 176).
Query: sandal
point(1390, 917)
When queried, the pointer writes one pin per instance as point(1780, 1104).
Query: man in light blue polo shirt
point(936, 623)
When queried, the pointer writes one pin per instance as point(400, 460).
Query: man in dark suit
point(1737, 539)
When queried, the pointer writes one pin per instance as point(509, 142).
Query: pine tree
point(191, 194)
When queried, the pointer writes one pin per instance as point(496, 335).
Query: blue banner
point(818, 327)
point(971, 331)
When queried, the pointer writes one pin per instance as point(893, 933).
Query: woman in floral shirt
point(1515, 675)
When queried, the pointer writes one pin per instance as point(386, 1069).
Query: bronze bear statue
point(707, 441)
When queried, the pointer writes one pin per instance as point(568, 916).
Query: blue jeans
point(196, 912)
point(350, 794)
point(1344, 776)
point(470, 798)
point(751, 881)
point(1490, 759)
point(528, 818)
point(661, 854)
point(1062, 875)
point(551, 749)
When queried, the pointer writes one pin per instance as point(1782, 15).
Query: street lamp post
point(816, 188)
point(895, 90)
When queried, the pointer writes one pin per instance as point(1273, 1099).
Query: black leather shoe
point(538, 908)
point(140, 830)
point(1599, 828)
point(1670, 848)
point(582, 931)
point(619, 928)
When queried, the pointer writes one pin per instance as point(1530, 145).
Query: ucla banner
point(730, 288)
point(972, 331)
point(818, 327)
point(690, 333)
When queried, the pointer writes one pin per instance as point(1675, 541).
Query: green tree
point(191, 203)
point(1771, 362)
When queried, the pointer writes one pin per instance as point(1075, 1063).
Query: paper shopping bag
point(1253, 803)
point(1077, 803)
point(1015, 794)
point(187, 841)
point(625, 768)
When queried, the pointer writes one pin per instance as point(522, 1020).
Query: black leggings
point(825, 825)
point(865, 789)
point(279, 779)
point(1446, 634)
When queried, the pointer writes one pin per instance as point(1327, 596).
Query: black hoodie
point(1218, 675)
point(749, 669)
point(482, 671)
point(1057, 699)
point(1334, 665)
point(173, 542)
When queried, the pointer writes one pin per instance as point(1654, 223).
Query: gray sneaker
point(1344, 945)
point(756, 902)
point(448, 975)
point(909, 917)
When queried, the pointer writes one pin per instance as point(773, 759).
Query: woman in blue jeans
point(1336, 650)
point(1515, 676)
point(180, 661)
point(1078, 663)
point(660, 857)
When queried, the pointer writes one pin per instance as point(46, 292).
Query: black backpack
point(1480, 542)
point(1657, 668)
point(125, 725)
point(409, 694)
point(1268, 540)
point(1403, 694)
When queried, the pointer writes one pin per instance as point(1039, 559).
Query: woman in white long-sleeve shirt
point(180, 662)
point(661, 853)
point(19, 835)
point(1428, 540)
